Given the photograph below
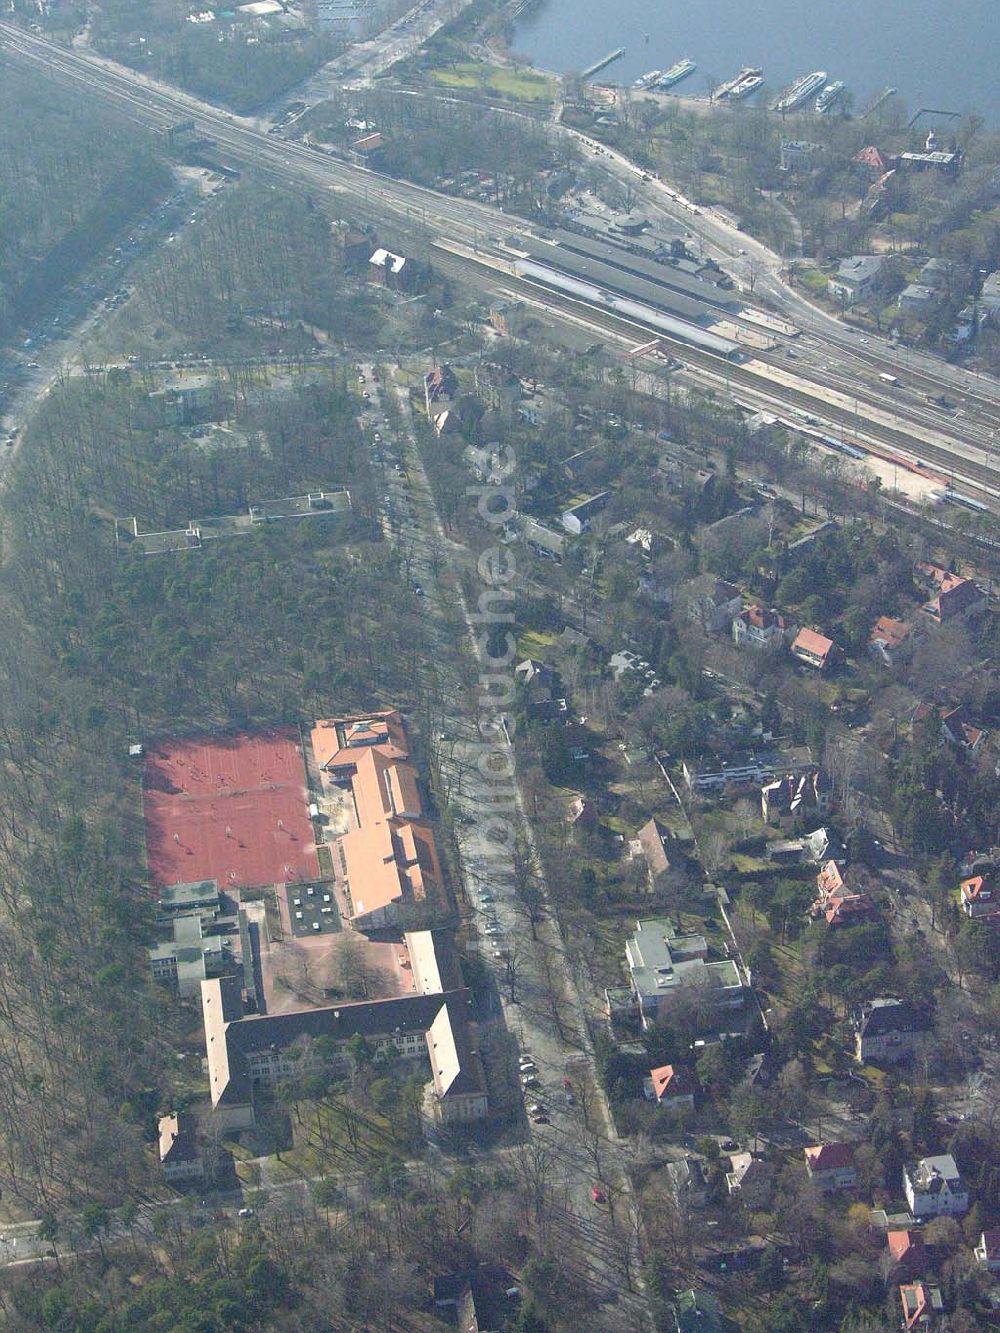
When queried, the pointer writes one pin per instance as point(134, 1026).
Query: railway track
point(158, 106)
point(884, 441)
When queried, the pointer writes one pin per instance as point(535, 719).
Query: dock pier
point(879, 101)
point(604, 61)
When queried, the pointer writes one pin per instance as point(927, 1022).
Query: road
point(471, 226)
point(572, 1141)
point(366, 60)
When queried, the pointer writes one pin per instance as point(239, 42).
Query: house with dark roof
point(672, 1086)
point(653, 844)
point(578, 518)
point(830, 1166)
point(956, 599)
point(934, 1188)
point(699, 1311)
point(759, 627)
point(544, 541)
point(887, 1030)
point(750, 1180)
point(824, 845)
point(857, 278)
point(440, 390)
point(987, 1250)
point(180, 1158)
point(483, 1300)
point(980, 890)
point(715, 603)
point(795, 799)
point(246, 1052)
point(905, 1254)
point(960, 728)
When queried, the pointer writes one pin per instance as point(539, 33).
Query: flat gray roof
point(663, 274)
point(617, 280)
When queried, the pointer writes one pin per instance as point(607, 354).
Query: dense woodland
point(70, 180)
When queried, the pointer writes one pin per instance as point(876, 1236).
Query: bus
point(888, 379)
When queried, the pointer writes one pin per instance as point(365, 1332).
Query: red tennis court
point(234, 809)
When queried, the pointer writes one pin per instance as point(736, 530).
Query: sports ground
point(234, 809)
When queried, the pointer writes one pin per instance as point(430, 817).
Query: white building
point(934, 1188)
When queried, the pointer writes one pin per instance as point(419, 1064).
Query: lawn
point(535, 643)
point(518, 85)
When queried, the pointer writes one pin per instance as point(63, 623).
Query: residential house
point(842, 897)
point(178, 1145)
point(857, 278)
point(815, 650)
point(661, 963)
point(934, 1188)
point(947, 164)
point(759, 1071)
point(921, 1302)
point(673, 1087)
point(481, 1301)
point(917, 298)
point(759, 627)
point(937, 273)
point(987, 1250)
point(888, 1030)
point(533, 672)
point(745, 770)
point(787, 852)
point(956, 598)
point(578, 518)
point(905, 1254)
point(887, 638)
point(652, 843)
point(870, 163)
point(750, 1180)
point(795, 798)
point(825, 845)
point(447, 422)
point(830, 1166)
point(440, 390)
point(389, 269)
point(542, 540)
point(688, 1182)
point(980, 890)
point(958, 727)
point(581, 813)
point(715, 603)
point(368, 149)
point(498, 386)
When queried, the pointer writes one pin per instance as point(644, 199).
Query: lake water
point(940, 54)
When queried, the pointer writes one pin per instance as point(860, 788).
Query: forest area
point(102, 649)
point(70, 179)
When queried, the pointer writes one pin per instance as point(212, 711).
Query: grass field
point(518, 85)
